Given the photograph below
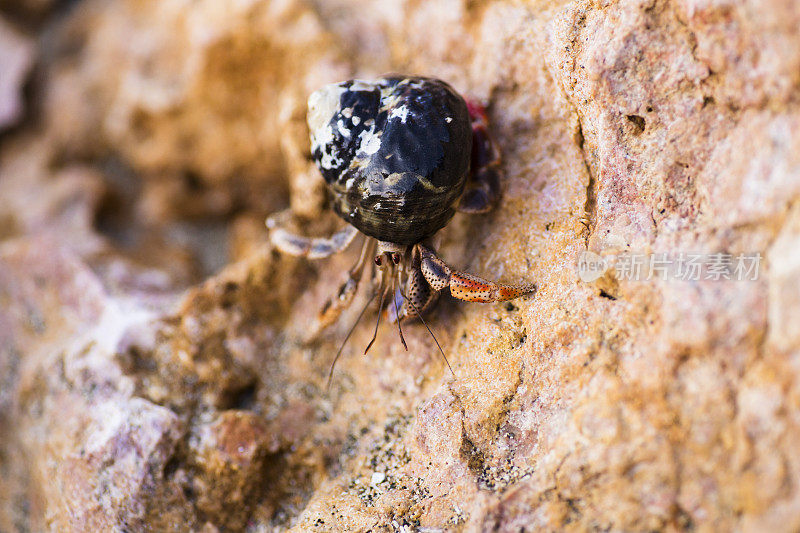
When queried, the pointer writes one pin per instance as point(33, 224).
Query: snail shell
point(395, 153)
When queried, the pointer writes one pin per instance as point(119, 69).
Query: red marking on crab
point(471, 288)
point(477, 111)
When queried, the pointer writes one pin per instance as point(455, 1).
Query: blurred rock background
point(152, 374)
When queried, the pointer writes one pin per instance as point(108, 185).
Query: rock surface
point(153, 374)
point(16, 60)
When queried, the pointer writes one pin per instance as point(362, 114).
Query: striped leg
point(466, 286)
point(309, 247)
point(421, 297)
point(344, 296)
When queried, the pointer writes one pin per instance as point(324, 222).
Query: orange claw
point(471, 288)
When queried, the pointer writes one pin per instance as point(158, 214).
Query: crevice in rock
point(470, 454)
point(114, 217)
point(681, 519)
point(679, 515)
point(638, 123)
point(604, 294)
point(573, 512)
point(242, 398)
point(590, 205)
point(588, 219)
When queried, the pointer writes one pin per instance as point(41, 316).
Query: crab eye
point(396, 258)
point(379, 260)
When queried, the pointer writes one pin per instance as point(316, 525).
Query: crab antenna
point(352, 329)
point(382, 290)
point(396, 310)
point(414, 307)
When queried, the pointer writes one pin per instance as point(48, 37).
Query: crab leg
point(483, 184)
point(347, 291)
point(397, 285)
point(310, 247)
point(466, 286)
point(432, 297)
point(418, 295)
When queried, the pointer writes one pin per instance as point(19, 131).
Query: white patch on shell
point(401, 112)
point(323, 139)
point(370, 141)
point(448, 120)
point(322, 106)
point(362, 85)
point(356, 120)
point(330, 161)
point(342, 129)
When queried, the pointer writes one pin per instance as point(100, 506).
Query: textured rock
point(199, 102)
point(16, 59)
point(153, 369)
point(232, 454)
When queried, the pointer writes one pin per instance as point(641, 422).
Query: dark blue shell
point(395, 153)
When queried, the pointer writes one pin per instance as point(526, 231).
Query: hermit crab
point(400, 156)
